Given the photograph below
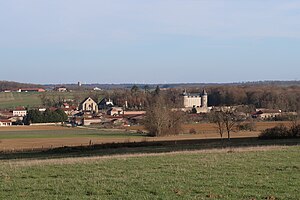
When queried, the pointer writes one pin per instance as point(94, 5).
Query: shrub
point(278, 132)
point(247, 126)
point(192, 131)
point(295, 130)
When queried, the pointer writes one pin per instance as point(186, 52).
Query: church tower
point(204, 99)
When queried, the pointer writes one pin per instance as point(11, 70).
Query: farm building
point(5, 122)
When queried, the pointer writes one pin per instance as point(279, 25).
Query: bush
point(295, 130)
point(192, 131)
point(280, 132)
point(247, 126)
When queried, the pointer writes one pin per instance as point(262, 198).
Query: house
point(19, 112)
point(115, 111)
point(266, 113)
point(96, 89)
point(88, 105)
point(61, 89)
point(5, 122)
point(105, 103)
point(6, 114)
point(31, 90)
point(66, 105)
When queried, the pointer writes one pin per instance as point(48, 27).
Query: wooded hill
point(10, 85)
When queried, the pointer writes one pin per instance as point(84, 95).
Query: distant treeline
point(177, 85)
point(286, 98)
point(10, 85)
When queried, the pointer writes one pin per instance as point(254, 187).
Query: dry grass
point(63, 161)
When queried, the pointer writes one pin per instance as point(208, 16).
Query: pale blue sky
point(149, 41)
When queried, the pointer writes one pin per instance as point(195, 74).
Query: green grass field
point(215, 175)
point(14, 99)
point(66, 133)
point(32, 99)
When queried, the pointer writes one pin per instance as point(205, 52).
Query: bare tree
point(160, 120)
point(230, 119)
point(217, 118)
point(226, 120)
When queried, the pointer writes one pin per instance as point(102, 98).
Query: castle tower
point(185, 99)
point(204, 99)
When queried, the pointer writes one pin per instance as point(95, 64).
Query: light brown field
point(204, 131)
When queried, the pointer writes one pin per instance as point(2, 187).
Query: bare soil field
point(204, 131)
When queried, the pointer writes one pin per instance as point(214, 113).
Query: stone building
point(89, 105)
point(199, 101)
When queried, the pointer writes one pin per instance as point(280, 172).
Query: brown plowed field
point(204, 131)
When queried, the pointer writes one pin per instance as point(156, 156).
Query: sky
point(149, 41)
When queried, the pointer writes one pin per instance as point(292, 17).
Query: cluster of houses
point(15, 116)
point(106, 113)
point(87, 113)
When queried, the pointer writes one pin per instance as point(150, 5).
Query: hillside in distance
point(10, 85)
point(180, 85)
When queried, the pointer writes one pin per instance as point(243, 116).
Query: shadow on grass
point(144, 147)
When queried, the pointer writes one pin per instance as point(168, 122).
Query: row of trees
point(274, 97)
point(35, 116)
point(286, 98)
point(10, 85)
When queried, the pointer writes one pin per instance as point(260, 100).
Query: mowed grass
point(65, 133)
point(270, 174)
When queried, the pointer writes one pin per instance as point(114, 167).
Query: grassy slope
point(10, 100)
point(32, 99)
point(238, 175)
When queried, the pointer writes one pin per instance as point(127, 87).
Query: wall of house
point(5, 123)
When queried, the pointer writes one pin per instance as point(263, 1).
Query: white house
point(5, 122)
point(19, 112)
point(115, 111)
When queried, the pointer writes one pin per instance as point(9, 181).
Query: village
point(107, 114)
